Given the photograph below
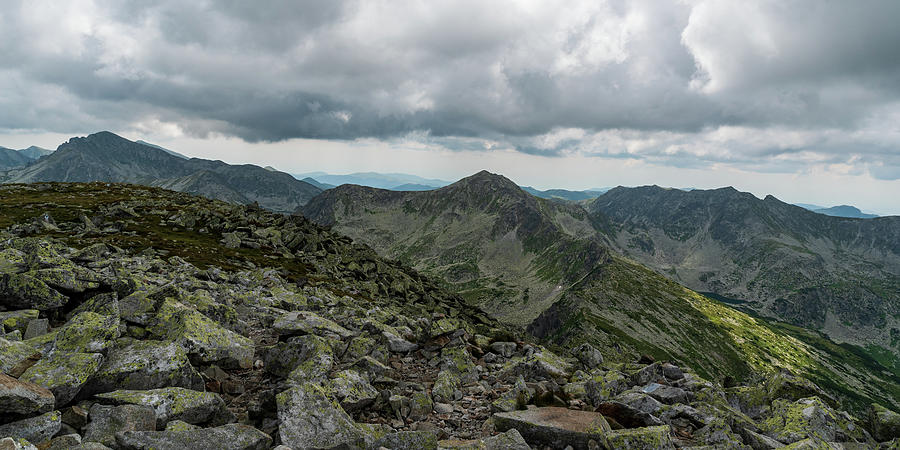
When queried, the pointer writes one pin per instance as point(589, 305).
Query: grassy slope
point(627, 304)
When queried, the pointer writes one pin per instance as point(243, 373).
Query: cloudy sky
point(798, 98)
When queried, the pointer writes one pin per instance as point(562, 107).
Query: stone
point(538, 367)
point(301, 358)
point(458, 361)
point(515, 398)
point(64, 374)
point(22, 398)
point(666, 394)
point(504, 349)
point(206, 341)
point(174, 403)
point(17, 320)
point(790, 422)
point(408, 440)
point(226, 437)
point(36, 327)
point(589, 357)
point(37, 430)
point(352, 390)
point(627, 416)
point(65, 442)
point(14, 355)
point(671, 372)
point(310, 419)
point(9, 443)
point(178, 425)
point(75, 416)
point(106, 421)
point(397, 344)
point(760, 442)
point(88, 332)
point(68, 279)
point(649, 438)
point(884, 423)
point(22, 291)
point(144, 365)
point(555, 427)
point(639, 401)
point(446, 387)
point(420, 407)
point(304, 322)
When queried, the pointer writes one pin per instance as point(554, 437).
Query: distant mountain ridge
point(373, 179)
point(105, 156)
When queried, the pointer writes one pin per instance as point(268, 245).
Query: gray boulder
point(556, 427)
point(22, 291)
point(144, 365)
point(588, 356)
point(36, 430)
point(106, 421)
point(64, 374)
point(226, 437)
point(310, 419)
point(174, 403)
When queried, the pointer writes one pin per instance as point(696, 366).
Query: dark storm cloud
point(665, 82)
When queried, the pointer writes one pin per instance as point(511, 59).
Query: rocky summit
point(140, 318)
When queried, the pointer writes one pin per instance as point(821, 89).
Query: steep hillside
point(107, 157)
point(838, 275)
point(498, 246)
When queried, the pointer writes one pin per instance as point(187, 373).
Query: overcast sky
point(797, 98)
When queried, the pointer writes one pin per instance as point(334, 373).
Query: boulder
point(17, 320)
point(88, 332)
point(446, 387)
point(352, 390)
point(604, 385)
point(64, 374)
point(68, 279)
point(513, 399)
point(810, 418)
point(302, 358)
point(9, 443)
point(504, 349)
point(408, 440)
point(311, 419)
point(22, 398)
point(458, 361)
point(106, 421)
point(304, 322)
point(628, 416)
point(537, 367)
point(144, 365)
point(649, 438)
point(589, 357)
point(22, 291)
point(884, 423)
point(206, 341)
point(666, 394)
point(226, 437)
point(36, 327)
point(37, 430)
point(555, 427)
point(174, 403)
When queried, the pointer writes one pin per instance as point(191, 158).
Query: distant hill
point(12, 159)
point(845, 211)
point(316, 183)
point(35, 152)
point(374, 179)
point(107, 157)
point(563, 194)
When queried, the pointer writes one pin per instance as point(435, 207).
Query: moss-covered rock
point(14, 353)
point(458, 361)
point(64, 374)
point(446, 387)
point(602, 386)
point(884, 423)
point(206, 341)
point(304, 322)
point(810, 418)
point(174, 403)
point(22, 291)
point(17, 320)
point(143, 365)
point(408, 440)
point(70, 279)
point(310, 418)
point(649, 438)
point(352, 390)
point(88, 332)
point(556, 427)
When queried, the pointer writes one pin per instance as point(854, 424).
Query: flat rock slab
point(227, 437)
point(64, 373)
point(555, 427)
point(21, 398)
point(649, 438)
point(144, 365)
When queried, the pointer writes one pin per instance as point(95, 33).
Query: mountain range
point(571, 274)
point(107, 157)
point(11, 159)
